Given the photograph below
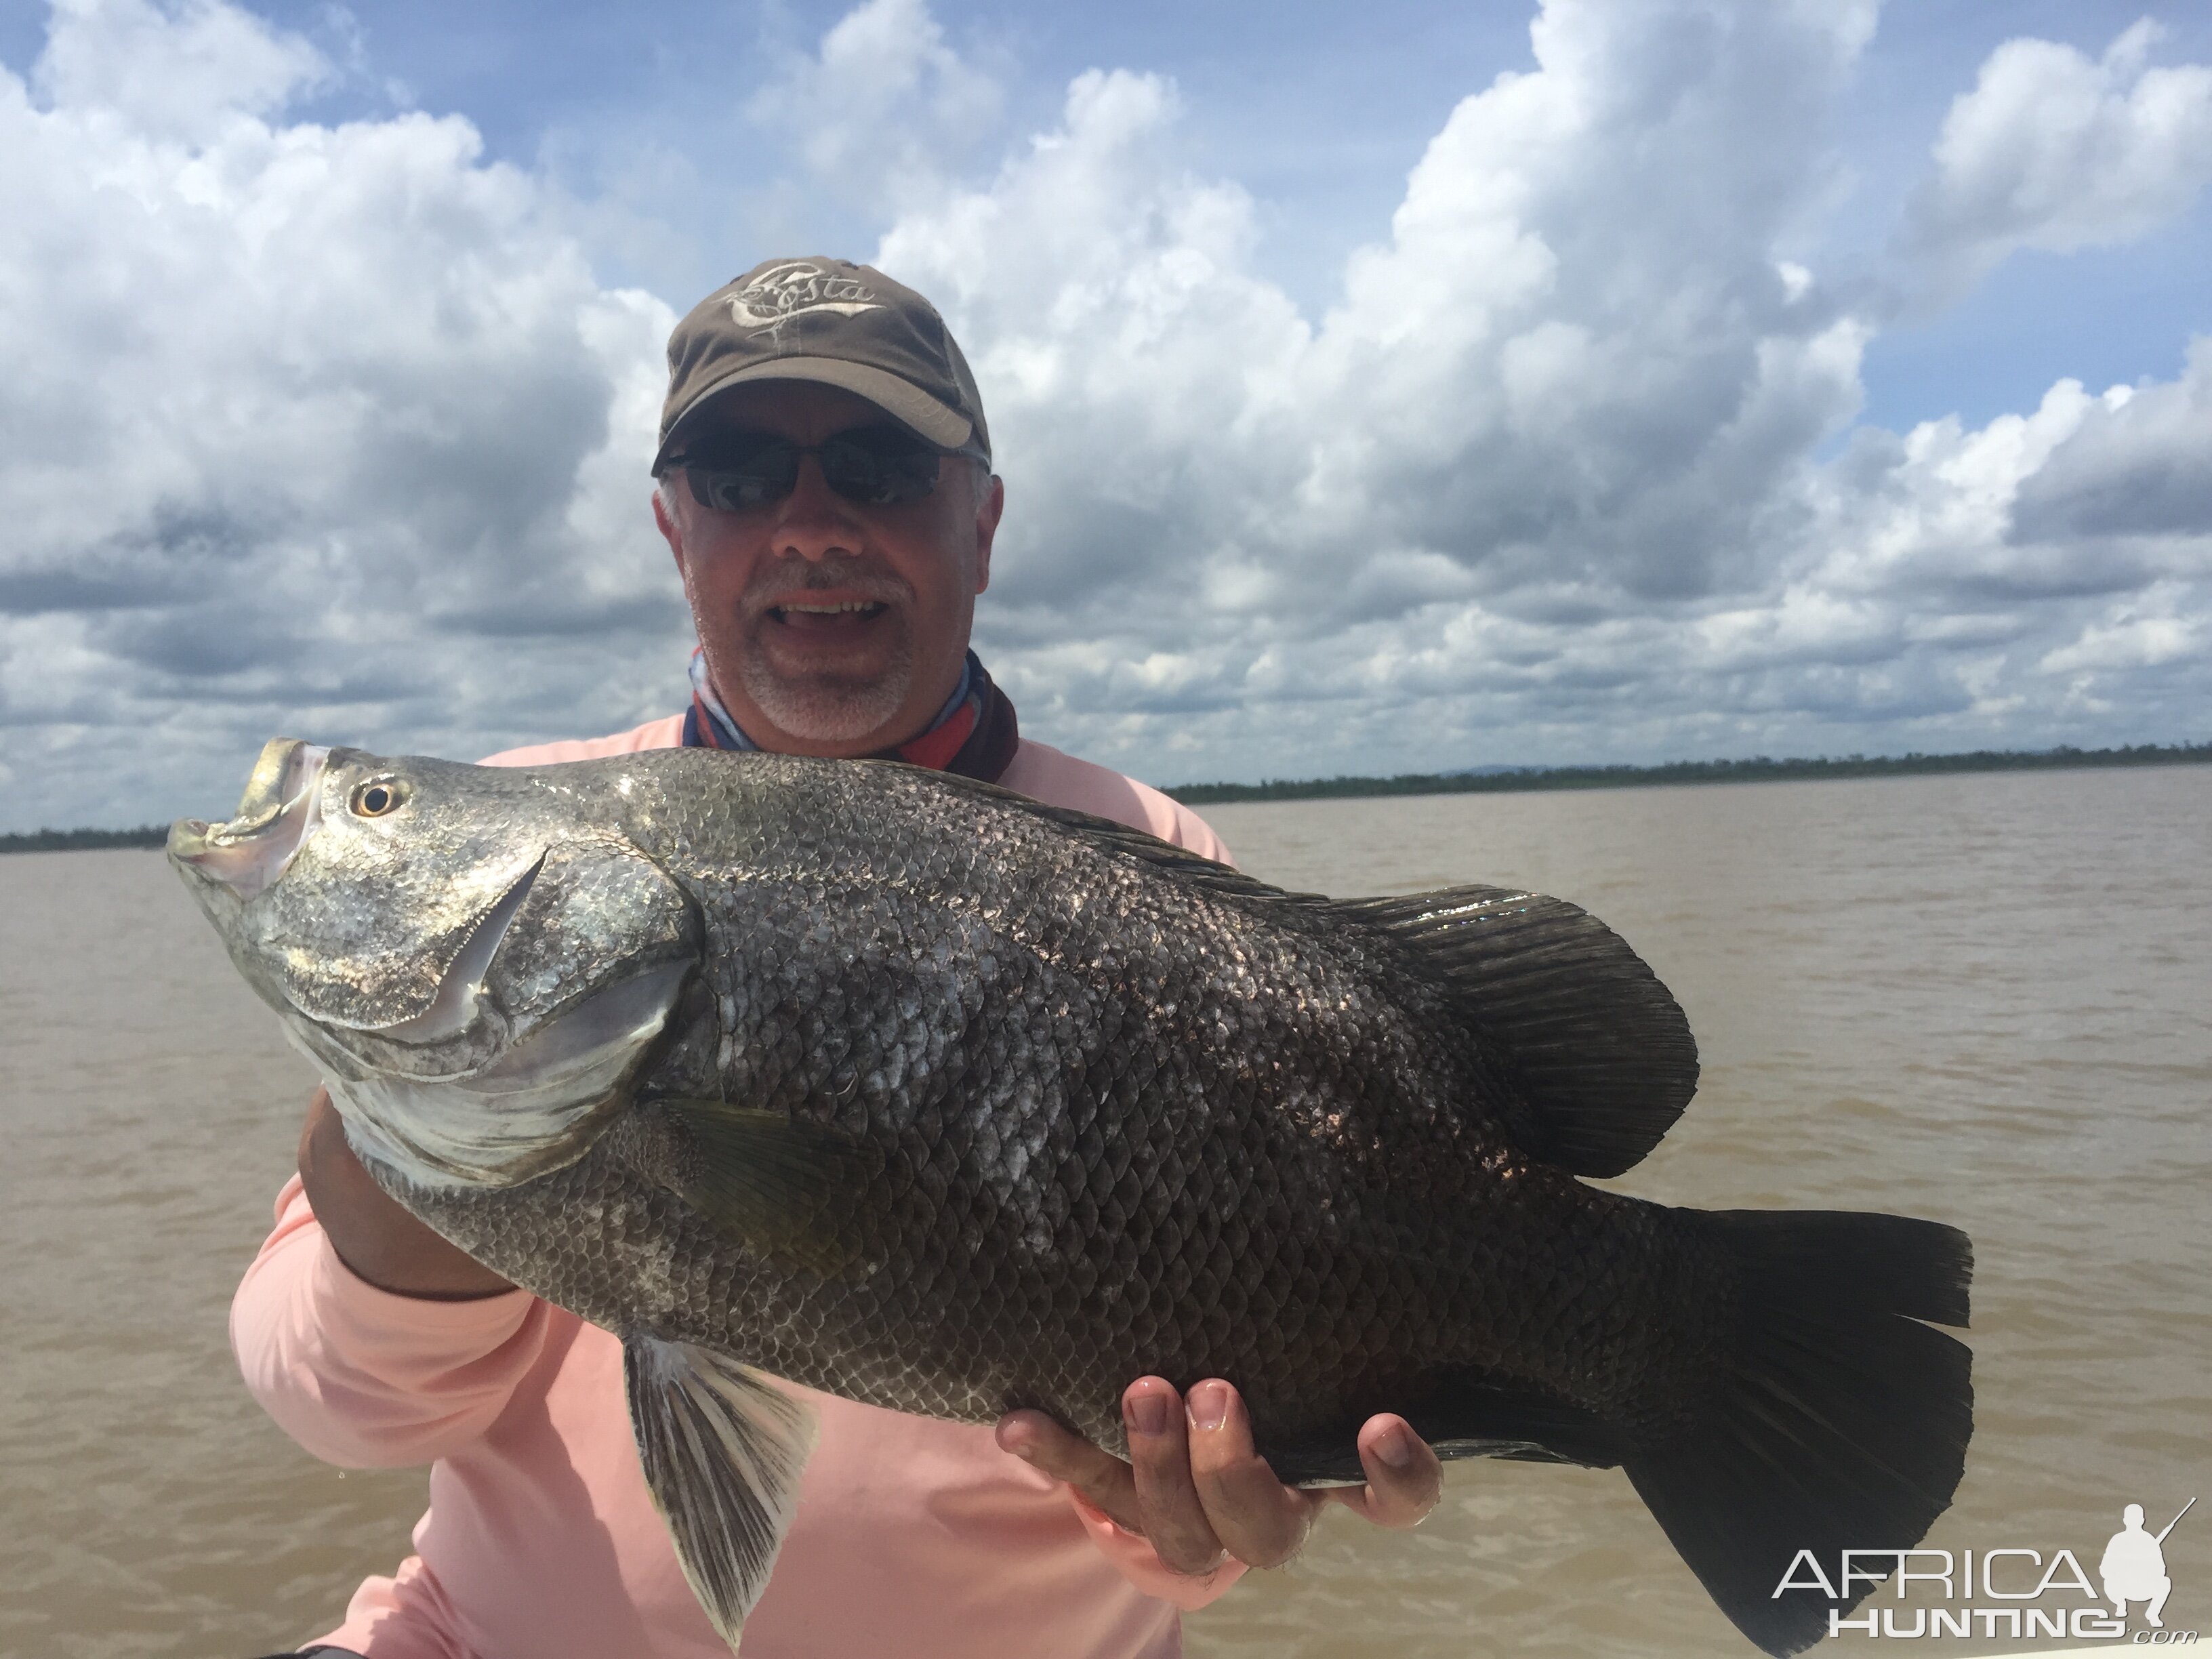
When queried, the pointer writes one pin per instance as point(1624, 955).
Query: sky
point(1391, 388)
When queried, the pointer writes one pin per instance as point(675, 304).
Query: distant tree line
point(1758, 769)
point(78, 841)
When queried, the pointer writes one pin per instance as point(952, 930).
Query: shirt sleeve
point(1194, 834)
point(1042, 773)
point(362, 1377)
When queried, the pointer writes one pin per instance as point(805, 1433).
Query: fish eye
point(374, 800)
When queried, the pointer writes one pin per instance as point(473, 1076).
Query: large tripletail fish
point(909, 1088)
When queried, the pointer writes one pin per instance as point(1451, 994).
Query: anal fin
point(723, 1450)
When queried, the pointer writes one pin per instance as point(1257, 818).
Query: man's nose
point(814, 522)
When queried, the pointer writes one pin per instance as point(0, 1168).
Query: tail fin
point(1840, 1424)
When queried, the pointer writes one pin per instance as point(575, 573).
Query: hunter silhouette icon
point(2134, 1567)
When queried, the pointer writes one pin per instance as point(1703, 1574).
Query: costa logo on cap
point(788, 290)
point(832, 322)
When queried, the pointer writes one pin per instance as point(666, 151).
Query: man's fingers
point(1194, 1486)
point(1100, 1477)
point(1257, 1518)
point(1404, 1477)
point(1173, 1520)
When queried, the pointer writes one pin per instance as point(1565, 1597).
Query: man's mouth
point(821, 616)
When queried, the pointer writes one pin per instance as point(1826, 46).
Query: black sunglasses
point(735, 469)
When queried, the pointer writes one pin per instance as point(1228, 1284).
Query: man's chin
point(827, 712)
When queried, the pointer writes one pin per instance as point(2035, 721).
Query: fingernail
point(1209, 1404)
point(1393, 1447)
point(1147, 1413)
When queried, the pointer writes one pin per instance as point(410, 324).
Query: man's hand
point(1196, 1489)
point(369, 1229)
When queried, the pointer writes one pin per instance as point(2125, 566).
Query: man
point(825, 488)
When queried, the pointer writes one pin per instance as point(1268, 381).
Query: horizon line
point(1759, 769)
point(1504, 780)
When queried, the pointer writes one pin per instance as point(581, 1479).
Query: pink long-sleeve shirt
point(913, 1537)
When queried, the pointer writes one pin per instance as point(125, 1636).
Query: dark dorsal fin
point(1602, 1052)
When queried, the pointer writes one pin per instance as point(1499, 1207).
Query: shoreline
point(1759, 769)
point(1512, 781)
point(84, 841)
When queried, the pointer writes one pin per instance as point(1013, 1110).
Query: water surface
point(1982, 998)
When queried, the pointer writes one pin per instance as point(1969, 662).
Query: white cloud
point(295, 417)
point(882, 108)
point(182, 75)
point(331, 430)
point(2139, 464)
point(2053, 149)
point(2130, 639)
point(1543, 479)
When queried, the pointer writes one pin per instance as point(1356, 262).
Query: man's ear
point(666, 522)
point(991, 501)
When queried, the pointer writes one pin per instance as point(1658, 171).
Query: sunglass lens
point(879, 466)
point(739, 475)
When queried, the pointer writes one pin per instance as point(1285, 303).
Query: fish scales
point(1349, 1128)
point(907, 1090)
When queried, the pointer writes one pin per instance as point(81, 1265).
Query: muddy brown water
point(1982, 999)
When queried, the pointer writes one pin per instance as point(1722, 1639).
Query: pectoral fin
point(786, 1186)
point(723, 1450)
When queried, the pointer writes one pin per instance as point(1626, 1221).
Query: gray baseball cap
point(830, 321)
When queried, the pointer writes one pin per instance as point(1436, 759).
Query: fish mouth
point(278, 812)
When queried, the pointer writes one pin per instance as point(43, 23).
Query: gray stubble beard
point(826, 710)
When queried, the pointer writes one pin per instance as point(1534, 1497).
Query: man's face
point(831, 627)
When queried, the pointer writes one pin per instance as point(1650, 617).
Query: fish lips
point(280, 810)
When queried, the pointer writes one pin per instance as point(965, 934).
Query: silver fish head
point(478, 957)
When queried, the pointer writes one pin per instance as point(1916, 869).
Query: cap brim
point(901, 399)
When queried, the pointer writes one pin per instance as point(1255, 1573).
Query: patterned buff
point(974, 734)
